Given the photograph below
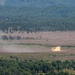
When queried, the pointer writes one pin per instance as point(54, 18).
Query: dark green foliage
point(30, 18)
point(19, 67)
point(10, 37)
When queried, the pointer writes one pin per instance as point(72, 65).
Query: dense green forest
point(32, 67)
point(37, 15)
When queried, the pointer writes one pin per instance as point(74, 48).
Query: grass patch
point(69, 71)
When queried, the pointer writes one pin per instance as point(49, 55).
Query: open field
point(37, 46)
point(51, 38)
point(41, 38)
point(40, 56)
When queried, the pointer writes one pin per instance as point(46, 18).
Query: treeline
point(5, 37)
point(31, 67)
point(10, 37)
point(34, 25)
point(35, 19)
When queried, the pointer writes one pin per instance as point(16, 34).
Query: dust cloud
point(7, 47)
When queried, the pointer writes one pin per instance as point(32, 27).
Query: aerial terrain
point(37, 37)
point(37, 15)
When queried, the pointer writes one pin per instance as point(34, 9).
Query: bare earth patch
point(45, 40)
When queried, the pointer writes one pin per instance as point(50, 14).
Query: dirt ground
point(40, 41)
point(52, 38)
